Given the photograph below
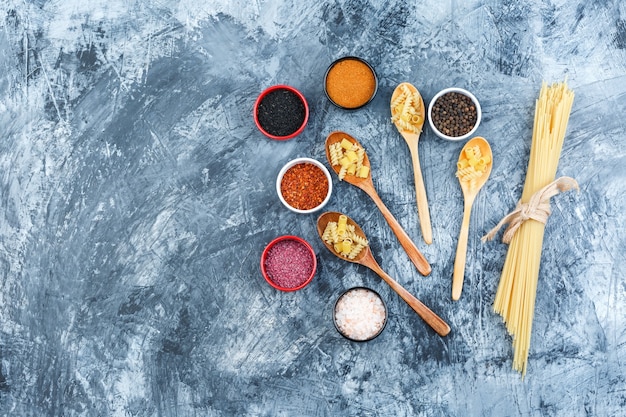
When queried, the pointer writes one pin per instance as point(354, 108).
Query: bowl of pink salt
point(288, 263)
point(360, 314)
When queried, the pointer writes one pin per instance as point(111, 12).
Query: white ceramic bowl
point(465, 93)
point(297, 161)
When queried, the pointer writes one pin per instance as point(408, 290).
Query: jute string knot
point(537, 208)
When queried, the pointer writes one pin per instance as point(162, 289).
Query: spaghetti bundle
point(517, 289)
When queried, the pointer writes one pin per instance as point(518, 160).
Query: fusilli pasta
point(344, 239)
point(350, 157)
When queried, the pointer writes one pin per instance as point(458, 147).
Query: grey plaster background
point(137, 196)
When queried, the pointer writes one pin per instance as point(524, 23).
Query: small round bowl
point(293, 163)
point(465, 93)
point(288, 263)
point(356, 298)
point(349, 93)
point(282, 113)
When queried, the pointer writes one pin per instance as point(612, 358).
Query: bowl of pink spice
point(288, 263)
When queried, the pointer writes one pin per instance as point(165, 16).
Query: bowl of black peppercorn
point(281, 112)
point(454, 114)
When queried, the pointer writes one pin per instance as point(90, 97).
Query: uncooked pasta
point(343, 238)
point(349, 156)
point(407, 108)
point(517, 289)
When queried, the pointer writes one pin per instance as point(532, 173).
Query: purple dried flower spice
point(288, 263)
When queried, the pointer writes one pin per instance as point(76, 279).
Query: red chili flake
point(304, 186)
point(288, 263)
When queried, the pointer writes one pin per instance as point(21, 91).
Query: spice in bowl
point(281, 112)
point(360, 314)
point(454, 114)
point(304, 185)
point(288, 263)
point(350, 83)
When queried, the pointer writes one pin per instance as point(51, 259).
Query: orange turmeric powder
point(350, 83)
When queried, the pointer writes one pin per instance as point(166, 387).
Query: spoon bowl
point(333, 216)
point(473, 170)
point(410, 127)
point(366, 258)
point(337, 137)
point(366, 184)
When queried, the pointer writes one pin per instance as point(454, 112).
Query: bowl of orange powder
point(304, 185)
point(350, 83)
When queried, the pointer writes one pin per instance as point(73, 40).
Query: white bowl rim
point(297, 161)
point(466, 93)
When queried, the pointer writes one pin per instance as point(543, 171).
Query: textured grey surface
point(137, 196)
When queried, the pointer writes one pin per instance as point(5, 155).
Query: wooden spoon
point(366, 184)
point(412, 139)
point(470, 190)
point(366, 258)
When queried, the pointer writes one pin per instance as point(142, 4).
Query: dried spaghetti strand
point(517, 289)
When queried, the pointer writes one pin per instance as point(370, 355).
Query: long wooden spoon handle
point(461, 254)
point(422, 201)
point(432, 319)
point(415, 255)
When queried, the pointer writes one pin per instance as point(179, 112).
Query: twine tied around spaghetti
point(537, 208)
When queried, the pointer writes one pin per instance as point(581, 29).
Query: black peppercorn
point(454, 114)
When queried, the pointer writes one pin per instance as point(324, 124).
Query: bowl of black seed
point(281, 112)
point(454, 114)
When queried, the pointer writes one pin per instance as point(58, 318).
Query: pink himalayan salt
point(288, 263)
point(360, 314)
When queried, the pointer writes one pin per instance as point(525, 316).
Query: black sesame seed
point(281, 112)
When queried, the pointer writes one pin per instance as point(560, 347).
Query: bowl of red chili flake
point(288, 263)
point(304, 185)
